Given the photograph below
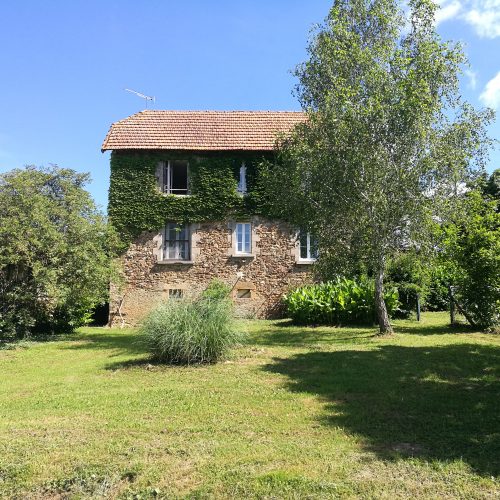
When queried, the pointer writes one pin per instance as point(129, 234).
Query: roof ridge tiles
point(201, 130)
point(221, 111)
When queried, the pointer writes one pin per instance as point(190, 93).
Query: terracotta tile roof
point(201, 130)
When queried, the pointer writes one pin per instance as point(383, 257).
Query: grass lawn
point(296, 412)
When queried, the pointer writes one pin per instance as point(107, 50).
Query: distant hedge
point(341, 301)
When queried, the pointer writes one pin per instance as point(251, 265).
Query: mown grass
point(296, 412)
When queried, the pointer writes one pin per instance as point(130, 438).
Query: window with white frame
point(176, 242)
point(308, 246)
point(242, 183)
point(243, 244)
point(174, 177)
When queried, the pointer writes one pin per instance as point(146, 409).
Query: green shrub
point(191, 331)
point(471, 250)
point(216, 290)
point(341, 301)
point(408, 271)
point(438, 298)
point(55, 252)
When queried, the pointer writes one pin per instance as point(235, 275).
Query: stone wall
point(257, 282)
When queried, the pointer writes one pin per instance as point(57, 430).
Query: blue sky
point(65, 65)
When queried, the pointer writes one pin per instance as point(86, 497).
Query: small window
point(308, 246)
point(243, 238)
point(176, 244)
point(175, 293)
point(175, 177)
point(242, 183)
point(244, 293)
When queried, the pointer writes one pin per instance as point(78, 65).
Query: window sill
point(174, 261)
point(305, 262)
point(243, 256)
point(176, 195)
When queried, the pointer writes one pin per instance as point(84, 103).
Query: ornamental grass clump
point(191, 331)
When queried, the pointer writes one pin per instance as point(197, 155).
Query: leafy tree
point(409, 272)
point(425, 275)
point(387, 142)
point(438, 298)
point(471, 252)
point(491, 187)
point(54, 263)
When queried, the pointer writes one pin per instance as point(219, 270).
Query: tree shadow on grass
point(124, 342)
point(146, 363)
point(289, 323)
point(439, 329)
point(437, 403)
point(287, 334)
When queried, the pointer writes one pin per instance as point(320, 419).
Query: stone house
point(184, 197)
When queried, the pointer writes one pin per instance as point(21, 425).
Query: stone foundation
point(257, 283)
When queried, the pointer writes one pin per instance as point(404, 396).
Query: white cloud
point(482, 15)
point(491, 93)
point(485, 18)
point(448, 10)
point(472, 77)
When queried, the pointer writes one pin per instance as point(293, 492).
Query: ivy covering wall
point(137, 205)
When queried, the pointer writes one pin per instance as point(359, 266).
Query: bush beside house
point(341, 301)
point(54, 252)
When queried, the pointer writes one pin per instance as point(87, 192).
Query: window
point(243, 238)
point(174, 177)
point(308, 246)
point(244, 293)
point(242, 183)
point(175, 293)
point(176, 242)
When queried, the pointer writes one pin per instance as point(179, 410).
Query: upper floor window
point(173, 177)
point(242, 183)
point(243, 238)
point(176, 242)
point(308, 246)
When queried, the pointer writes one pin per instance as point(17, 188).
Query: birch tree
point(388, 141)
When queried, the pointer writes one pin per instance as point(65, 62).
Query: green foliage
point(466, 260)
point(387, 141)
point(341, 301)
point(136, 205)
point(406, 272)
point(440, 278)
point(491, 186)
point(191, 331)
point(216, 290)
point(425, 275)
point(471, 251)
point(410, 273)
point(54, 251)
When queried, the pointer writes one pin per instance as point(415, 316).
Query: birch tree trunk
point(380, 307)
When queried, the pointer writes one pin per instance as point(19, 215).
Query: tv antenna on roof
point(144, 96)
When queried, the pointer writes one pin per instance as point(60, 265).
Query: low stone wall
point(257, 282)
